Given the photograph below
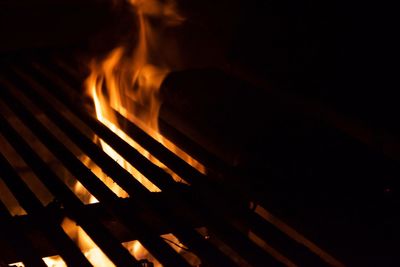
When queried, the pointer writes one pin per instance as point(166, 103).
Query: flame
point(127, 81)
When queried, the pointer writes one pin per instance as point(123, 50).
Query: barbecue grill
point(222, 225)
point(280, 103)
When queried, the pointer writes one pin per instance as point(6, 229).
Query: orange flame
point(127, 81)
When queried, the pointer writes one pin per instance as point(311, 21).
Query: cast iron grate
point(220, 224)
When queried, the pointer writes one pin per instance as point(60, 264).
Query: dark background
point(312, 105)
point(341, 52)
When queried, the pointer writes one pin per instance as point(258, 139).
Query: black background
point(340, 54)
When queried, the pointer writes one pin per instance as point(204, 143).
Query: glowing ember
point(54, 261)
point(140, 252)
point(91, 251)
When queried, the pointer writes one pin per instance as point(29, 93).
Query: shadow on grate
point(53, 147)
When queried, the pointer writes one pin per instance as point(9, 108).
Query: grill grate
point(40, 97)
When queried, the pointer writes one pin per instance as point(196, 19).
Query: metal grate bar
point(175, 163)
point(293, 249)
point(49, 225)
point(154, 173)
point(109, 201)
point(161, 210)
point(20, 244)
point(210, 255)
point(223, 210)
point(99, 234)
point(251, 251)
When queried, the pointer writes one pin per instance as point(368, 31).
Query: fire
point(127, 81)
point(54, 261)
point(140, 252)
point(91, 251)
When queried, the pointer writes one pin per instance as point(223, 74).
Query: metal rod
point(251, 251)
point(171, 160)
point(280, 241)
point(154, 173)
point(97, 232)
point(48, 224)
point(90, 181)
point(21, 245)
point(202, 183)
point(189, 237)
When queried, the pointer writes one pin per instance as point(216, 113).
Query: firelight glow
point(127, 81)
